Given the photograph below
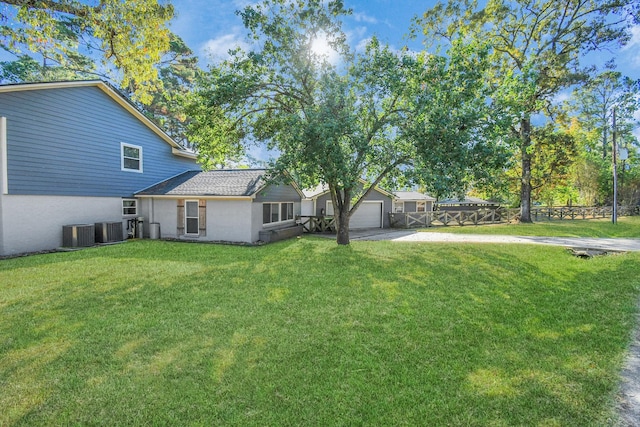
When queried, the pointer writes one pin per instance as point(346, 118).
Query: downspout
point(4, 176)
point(151, 206)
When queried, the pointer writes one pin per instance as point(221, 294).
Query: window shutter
point(202, 217)
point(180, 217)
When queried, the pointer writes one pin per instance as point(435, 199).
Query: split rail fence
point(322, 224)
point(502, 215)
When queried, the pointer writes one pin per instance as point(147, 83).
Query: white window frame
point(187, 217)
point(398, 207)
point(134, 207)
point(278, 212)
point(424, 206)
point(124, 145)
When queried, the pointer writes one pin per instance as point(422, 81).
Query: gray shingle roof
point(310, 193)
point(466, 201)
point(412, 195)
point(223, 182)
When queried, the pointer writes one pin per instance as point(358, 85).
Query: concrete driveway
point(609, 244)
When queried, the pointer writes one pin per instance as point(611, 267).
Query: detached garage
point(372, 212)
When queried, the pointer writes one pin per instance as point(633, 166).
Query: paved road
point(611, 244)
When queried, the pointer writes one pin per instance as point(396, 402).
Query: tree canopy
point(536, 50)
point(373, 115)
point(593, 104)
point(130, 35)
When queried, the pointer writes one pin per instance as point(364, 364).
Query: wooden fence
point(316, 224)
point(581, 212)
point(501, 215)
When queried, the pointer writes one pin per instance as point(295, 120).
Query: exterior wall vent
point(78, 235)
point(107, 232)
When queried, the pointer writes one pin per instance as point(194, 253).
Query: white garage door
point(368, 215)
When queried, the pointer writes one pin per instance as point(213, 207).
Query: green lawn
point(628, 226)
point(304, 332)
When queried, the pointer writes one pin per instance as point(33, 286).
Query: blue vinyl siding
point(66, 141)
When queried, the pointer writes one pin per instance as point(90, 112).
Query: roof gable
point(114, 94)
point(466, 201)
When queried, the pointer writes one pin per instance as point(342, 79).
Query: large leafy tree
point(537, 46)
point(27, 69)
point(370, 116)
point(553, 155)
point(593, 105)
point(130, 35)
point(178, 72)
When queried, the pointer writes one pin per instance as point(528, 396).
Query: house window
point(286, 211)
point(421, 206)
point(191, 217)
point(129, 207)
point(399, 207)
point(131, 157)
point(270, 213)
point(277, 212)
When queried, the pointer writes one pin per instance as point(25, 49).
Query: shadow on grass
point(307, 332)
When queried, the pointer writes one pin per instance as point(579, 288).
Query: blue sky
point(211, 28)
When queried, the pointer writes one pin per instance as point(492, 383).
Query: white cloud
point(636, 130)
point(358, 37)
point(218, 48)
point(562, 97)
point(632, 48)
point(362, 44)
point(241, 4)
point(363, 17)
point(635, 38)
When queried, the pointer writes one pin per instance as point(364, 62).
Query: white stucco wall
point(227, 220)
point(162, 211)
point(2, 252)
point(307, 207)
point(34, 223)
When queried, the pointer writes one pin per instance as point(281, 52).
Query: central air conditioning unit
point(78, 235)
point(108, 232)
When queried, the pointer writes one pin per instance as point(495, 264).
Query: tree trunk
point(604, 143)
point(341, 199)
point(525, 188)
point(342, 237)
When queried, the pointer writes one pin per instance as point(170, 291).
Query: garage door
point(368, 215)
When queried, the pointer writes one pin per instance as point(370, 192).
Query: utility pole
point(614, 216)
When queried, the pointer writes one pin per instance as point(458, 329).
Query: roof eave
point(193, 196)
point(183, 153)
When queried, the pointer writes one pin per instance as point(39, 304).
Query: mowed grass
point(304, 332)
point(627, 227)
